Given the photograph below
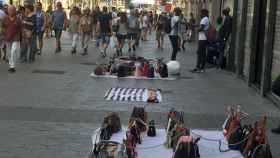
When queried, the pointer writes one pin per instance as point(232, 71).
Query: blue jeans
point(174, 39)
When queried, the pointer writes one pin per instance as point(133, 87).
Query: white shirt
point(174, 20)
point(145, 21)
point(205, 22)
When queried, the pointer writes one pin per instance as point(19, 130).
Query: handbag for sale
point(187, 148)
point(152, 129)
point(108, 149)
point(111, 124)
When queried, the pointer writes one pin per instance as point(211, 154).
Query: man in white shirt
point(202, 42)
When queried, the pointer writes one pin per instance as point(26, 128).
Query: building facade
point(255, 51)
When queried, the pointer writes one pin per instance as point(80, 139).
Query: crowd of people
point(23, 30)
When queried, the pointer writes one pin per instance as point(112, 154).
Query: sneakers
point(12, 70)
point(276, 130)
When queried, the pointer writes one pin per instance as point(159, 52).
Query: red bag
point(211, 33)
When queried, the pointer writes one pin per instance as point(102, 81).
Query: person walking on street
point(73, 29)
point(95, 16)
point(104, 29)
point(85, 29)
point(202, 42)
point(122, 32)
point(12, 33)
point(48, 22)
point(174, 34)
point(183, 27)
point(40, 25)
point(160, 31)
point(191, 28)
point(59, 22)
point(28, 43)
point(133, 28)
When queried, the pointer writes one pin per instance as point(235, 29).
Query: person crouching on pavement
point(12, 31)
point(85, 27)
point(28, 42)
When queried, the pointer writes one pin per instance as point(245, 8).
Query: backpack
point(163, 70)
point(237, 140)
point(262, 151)
point(186, 148)
point(106, 149)
point(211, 33)
point(152, 129)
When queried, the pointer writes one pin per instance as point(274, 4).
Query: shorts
point(132, 36)
point(159, 34)
point(57, 33)
point(104, 38)
point(121, 37)
point(40, 35)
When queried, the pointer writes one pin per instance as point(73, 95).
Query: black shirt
point(104, 20)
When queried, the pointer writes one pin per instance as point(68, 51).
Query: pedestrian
point(191, 28)
point(183, 27)
point(202, 42)
point(137, 14)
point(104, 29)
point(28, 41)
point(144, 24)
point(85, 28)
point(160, 30)
point(40, 25)
point(59, 23)
point(174, 34)
point(95, 16)
point(133, 30)
point(12, 31)
point(2, 17)
point(122, 32)
point(73, 29)
point(48, 22)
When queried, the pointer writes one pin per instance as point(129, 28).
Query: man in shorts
point(58, 23)
point(104, 30)
point(40, 25)
point(133, 27)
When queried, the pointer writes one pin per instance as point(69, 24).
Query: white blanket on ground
point(152, 147)
point(131, 94)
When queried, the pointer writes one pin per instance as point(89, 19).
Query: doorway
point(258, 37)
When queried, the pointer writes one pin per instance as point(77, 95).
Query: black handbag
point(152, 129)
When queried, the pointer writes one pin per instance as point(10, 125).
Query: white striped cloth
point(131, 94)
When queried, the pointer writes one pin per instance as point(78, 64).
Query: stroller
point(215, 53)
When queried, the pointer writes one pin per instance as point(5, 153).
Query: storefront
point(256, 44)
